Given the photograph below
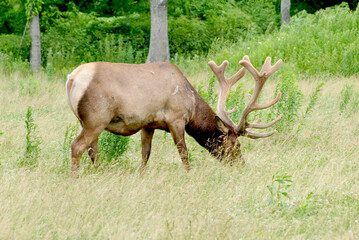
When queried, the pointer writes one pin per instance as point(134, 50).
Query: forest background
point(74, 32)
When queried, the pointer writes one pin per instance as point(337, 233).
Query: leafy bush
point(112, 146)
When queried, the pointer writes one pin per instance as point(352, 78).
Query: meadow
point(301, 183)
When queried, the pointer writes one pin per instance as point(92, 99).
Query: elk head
point(228, 146)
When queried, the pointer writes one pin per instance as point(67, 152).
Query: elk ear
point(221, 126)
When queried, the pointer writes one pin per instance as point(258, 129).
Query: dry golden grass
point(212, 201)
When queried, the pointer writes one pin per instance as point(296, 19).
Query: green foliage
point(9, 64)
point(9, 44)
point(12, 20)
point(87, 41)
point(349, 97)
point(278, 188)
point(112, 146)
point(33, 141)
point(290, 102)
point(312, 6)
point(36, 7)
point(324, 42)
point(263, 13)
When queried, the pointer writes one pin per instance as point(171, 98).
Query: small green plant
point(309, 206)
point(312, 102)
point(278, 188)
point(313, 99)
point(290, 102)
point(345, 96)
point(33, 141)
point(112, 146)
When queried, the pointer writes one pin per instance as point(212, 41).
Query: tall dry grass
point(212, 201)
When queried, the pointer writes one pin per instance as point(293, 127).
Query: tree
point(33, 10)
point(35, 50)
point(159, 46)
point(285, 11)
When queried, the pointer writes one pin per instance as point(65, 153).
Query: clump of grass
point(33, 141)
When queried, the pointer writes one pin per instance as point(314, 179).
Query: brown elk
point(125, 98)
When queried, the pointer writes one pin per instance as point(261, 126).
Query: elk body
point(127, 98)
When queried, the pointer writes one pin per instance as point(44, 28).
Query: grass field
point(212, 201)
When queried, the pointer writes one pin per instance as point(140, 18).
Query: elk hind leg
point(146, 141)
point(79, 145)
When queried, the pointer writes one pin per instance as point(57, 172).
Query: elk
point(126, 98)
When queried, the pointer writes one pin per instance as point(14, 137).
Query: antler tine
point(258, 135)
point(262, 126)
point(225, 86)
point(260, 79)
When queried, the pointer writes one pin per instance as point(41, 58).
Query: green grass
point(212, 201)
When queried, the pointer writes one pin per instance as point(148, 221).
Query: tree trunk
point(159, 46)
point(35, 51)
point(285, 11)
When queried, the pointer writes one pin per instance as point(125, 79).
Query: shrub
point(112, 146)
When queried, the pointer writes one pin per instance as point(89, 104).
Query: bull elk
point(125, 98)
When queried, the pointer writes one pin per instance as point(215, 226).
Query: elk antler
point(260, 79)
point(225, 85)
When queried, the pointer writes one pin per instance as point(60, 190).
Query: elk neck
point(202, 127)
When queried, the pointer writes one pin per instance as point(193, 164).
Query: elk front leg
point(146, 141)
point(177, 130)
